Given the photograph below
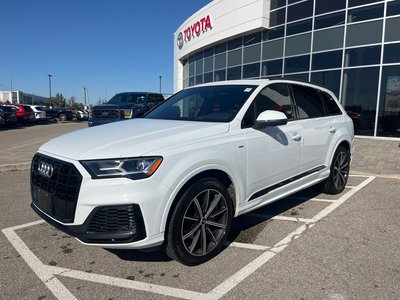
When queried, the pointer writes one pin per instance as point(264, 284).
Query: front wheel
point(62, 117)
point(340, 168)
point(199, 223)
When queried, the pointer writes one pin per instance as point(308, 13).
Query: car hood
point(130, 138)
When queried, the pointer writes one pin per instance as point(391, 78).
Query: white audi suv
point(176, 177)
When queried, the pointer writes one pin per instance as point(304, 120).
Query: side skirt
point(270, 189)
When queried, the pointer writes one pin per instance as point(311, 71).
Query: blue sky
point(109, 45)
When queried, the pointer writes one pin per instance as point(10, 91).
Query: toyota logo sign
point(179, 40)
point(45, 169)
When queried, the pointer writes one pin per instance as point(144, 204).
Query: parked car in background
point(81, 115)
point(25, 114)
point(63, 114)
point(124, 106)
point(9, 115)
point(2, 120)
point(179, 175)
point(40, 113)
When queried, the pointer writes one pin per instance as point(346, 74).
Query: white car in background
point(177, 176)
point(40, 114)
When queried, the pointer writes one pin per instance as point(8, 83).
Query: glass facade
point(352, 47)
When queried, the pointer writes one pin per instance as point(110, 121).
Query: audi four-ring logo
point(45, 169)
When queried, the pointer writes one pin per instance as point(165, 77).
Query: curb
point(15, 167)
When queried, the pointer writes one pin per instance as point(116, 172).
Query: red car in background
point(25, 114)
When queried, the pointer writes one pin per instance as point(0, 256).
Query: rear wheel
point(340, 168)
point(62, 117)
point(199, 223)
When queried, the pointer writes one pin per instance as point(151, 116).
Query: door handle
point(332, 129)
point(296, 137)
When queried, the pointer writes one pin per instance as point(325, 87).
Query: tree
point(58, 100)
point(71, 101)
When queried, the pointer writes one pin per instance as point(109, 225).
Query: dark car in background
point(9, 115)
point(63, 114)
point(2, 121)
point(124, 106)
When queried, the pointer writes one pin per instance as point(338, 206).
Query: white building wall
point(228, 19)
point(5, 96)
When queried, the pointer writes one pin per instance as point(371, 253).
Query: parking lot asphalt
point(18, 145)
point(307, 246)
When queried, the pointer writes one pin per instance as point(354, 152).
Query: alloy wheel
point(341, 170)
point(204, 222)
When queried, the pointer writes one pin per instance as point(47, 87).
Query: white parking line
point(322, 200)
point(247, 246)
point(222, 289)
point(280, 218)
point(47, 273)
point(135, 285)
point(41, 270)
point(342, 199)
point(230, 283)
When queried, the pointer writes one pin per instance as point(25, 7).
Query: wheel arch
point(218, 174)
point(344, 143)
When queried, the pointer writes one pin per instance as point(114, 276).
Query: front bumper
point(111, 213)
point(124, 224)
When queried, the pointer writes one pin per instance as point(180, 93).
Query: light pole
point(160, 82)
point(84, 94)
point(50, 86)
point(11, 88)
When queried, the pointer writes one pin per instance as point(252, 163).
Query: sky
point(110, 46)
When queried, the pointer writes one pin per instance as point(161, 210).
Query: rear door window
point(308, 102)
point(331, 106)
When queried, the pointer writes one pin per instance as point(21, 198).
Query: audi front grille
point(55, 186)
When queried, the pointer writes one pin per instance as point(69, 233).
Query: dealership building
point(18, 97)
point(351, 47)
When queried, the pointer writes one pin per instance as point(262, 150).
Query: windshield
point(219, 103)
point(27, 108)
point(8, 108)
point(125, 98)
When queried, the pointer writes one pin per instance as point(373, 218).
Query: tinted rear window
point(330, 104)
point(309, 103)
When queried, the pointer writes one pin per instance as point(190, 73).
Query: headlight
point(127, 113)
point(133, 168)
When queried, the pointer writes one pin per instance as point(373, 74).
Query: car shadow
point(150, 255)
point(239, 224)
point(267, 212)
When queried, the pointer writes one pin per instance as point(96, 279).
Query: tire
point(199, 223)
point(340, 167)
point(62, 117)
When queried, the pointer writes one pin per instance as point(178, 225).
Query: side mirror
point(271, 118)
